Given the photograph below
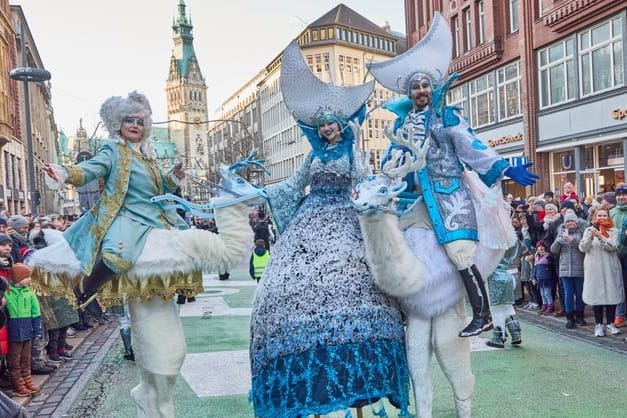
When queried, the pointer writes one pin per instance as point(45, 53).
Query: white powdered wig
point(116, 108)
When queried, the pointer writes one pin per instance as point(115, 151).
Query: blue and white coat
point(454, 147)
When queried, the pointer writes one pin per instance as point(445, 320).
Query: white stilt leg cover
point(159, 345)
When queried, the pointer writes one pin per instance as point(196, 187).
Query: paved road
point(552, 374)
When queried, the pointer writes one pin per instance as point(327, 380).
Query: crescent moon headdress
point(311, 100)
point(431, 56)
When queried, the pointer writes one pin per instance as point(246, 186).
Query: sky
point(100, 48)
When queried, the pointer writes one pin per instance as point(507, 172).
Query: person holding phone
point(570, 268)
point(603, 287)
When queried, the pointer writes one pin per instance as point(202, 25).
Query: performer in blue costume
point(108, 239)
point(451, 147)
point(324, 338)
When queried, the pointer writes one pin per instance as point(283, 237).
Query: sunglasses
point(133, 121)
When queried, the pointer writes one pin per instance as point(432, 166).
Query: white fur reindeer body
point(412, 266)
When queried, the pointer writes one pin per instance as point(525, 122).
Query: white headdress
point(310, 99)
point(430, 56)
point(116, 108)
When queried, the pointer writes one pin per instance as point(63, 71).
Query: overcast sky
point(99, 48)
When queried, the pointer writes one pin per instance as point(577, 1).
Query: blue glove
point(521, 175)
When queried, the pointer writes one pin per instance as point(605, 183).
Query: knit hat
point(3, 221)
point(4, 238)
point(17, 221)
point(621, 189)
point(539, 202)
point(20, 272)
point(550, 206)
point(570, 216)
point(610, 197)
point(567, 204)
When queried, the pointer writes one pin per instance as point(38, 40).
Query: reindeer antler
point(402, 162)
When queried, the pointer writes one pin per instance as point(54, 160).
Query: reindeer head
point(376, 194)
point(232, 185)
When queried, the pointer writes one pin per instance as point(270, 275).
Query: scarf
point(604, 225)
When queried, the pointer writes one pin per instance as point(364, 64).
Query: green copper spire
point(183, 39)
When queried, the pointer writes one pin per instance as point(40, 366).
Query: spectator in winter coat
point(18, 231)
point(619, 218)
point(24, 324)
point(570, 270)
point(569, 193)
point(603, 287)
point(544, 277)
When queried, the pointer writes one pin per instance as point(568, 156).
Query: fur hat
point(20, 272)
point(4, 238)
point(17, 221)
point(570, 216)
point(567, 204)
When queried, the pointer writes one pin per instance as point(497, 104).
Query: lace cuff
point(62, 175)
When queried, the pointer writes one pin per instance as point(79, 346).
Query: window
point(318, 58)
point(481, 13)
point(456, 97)
point(508, 85)
point(601, 57)
point(323, 34)
point(468, 31)
point(341, 59)
point(456, 37)
point(557, 73)
point(513, 16)
point(314, 35)
point(482, 100)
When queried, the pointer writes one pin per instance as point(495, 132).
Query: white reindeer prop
point(412, 266)
point(168, 255)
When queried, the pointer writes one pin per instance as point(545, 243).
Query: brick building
point(543, 80)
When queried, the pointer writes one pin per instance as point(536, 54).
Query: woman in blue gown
point(324, 338)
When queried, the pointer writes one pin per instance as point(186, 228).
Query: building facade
point(541, 80)
point(44, 131)
point(12, 179)
point(236, 131)
point(336, 48)
point(186, 94)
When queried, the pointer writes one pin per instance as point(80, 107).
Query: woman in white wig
point(141, 252)
point(108, 239)
point(324, 338)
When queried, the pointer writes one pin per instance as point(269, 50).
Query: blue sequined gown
point(323, 337)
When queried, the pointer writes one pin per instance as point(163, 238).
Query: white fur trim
point(167, 250)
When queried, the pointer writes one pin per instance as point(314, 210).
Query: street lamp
point(26, 75)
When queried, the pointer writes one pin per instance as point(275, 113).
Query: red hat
point(20, 272)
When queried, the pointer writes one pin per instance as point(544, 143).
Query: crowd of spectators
point(34, 329)
point(576, 256)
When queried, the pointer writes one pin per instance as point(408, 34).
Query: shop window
point(611, 155)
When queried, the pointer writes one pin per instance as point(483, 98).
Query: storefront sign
point(619, 114)
point(507, 139)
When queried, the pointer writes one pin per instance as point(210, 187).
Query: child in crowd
point(544, 277)
point(258, 260)
point(24, 324)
